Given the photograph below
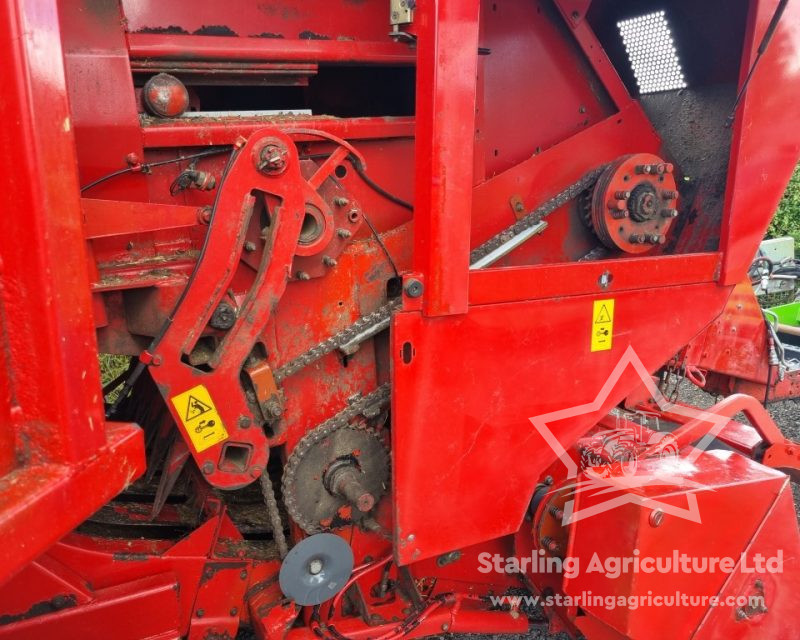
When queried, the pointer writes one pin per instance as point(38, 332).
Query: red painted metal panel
point(583, 278)
point(201, 132)
point(766, 138)
point(148, 45)
point(516, 360)
point(118, 218)
point(446, 83)
point(69, 461)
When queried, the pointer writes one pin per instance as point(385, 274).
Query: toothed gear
point(341, 444)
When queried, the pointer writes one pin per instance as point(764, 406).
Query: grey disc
point(316, 569)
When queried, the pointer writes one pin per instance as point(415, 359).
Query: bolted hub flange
point(634, 203)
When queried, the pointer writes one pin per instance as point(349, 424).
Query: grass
point(787, 218)
point(110, 367)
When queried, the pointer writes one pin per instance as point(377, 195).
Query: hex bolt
point(244, 422)
point(445, 626)
point(655, 238)
point(620, 215)
point(249, 246)
point(340, 201)
point(656, 518)
point(223, 318)
point(622, 195)
point(557, 513)
point(234, 612)
point(208, 468)
point(669, 213)
point(273, 409)
point(328, 261)
point(636, 238)
point(272, 159)
point(413, 288)
point(619, 205)
point(343, 233)
point(243, 574)
point(643, 168)
point(302, 275)
point(200, 613)
point(549, 544)
point(669, 195)
point(669, 167)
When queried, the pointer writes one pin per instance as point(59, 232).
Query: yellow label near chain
point(199, 417)
point(602, 325)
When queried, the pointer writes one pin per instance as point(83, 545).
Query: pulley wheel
point(316, 569)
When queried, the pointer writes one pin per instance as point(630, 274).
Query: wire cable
point(141, 365)
point(145, 167)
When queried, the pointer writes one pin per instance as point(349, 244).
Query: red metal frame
point(59, 459)
point(469, 361)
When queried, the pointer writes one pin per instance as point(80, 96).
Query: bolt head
point(413, 288)
point(273, 159)
point(208, 467)
point(656, 518)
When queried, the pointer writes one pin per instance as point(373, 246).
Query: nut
point(272, 159)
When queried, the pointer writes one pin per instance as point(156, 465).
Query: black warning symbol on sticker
point(603, 317)
point(195, 408)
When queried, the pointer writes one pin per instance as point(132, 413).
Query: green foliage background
point(787, 219)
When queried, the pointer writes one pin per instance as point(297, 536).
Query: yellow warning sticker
point(602, 325)
point(199, 417)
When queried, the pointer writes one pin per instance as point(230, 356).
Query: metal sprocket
point(337, 441)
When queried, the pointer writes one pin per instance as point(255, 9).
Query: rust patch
point(267, 34)
point(211, 569)
point(258, 587)
point(41, 608)
point(171, 29)
point(310, 35)
point(129, 556)
point(214, 30)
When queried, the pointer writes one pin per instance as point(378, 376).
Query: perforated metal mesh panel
point(651, 49)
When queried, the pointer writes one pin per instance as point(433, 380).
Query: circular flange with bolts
point(334, 478)
point(316, 569)
point(633, 203)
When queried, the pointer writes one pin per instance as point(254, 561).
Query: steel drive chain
point(368, 406)
point(337, 340)
point(384, 313)
point(536, 216)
